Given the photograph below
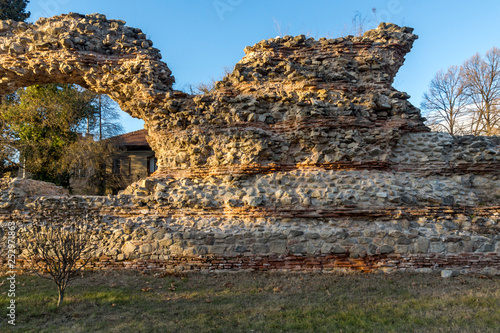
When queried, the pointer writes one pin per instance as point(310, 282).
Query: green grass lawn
point(257, 302)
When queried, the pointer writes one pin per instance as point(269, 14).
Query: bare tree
point(482, 88)
point(95, 160)
point(58, 253)
point(445, 101)
point(105, 121)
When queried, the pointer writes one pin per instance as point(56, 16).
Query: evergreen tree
point(14, 10)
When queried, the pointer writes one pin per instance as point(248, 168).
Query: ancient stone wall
point(304, 157)
point(156, 237)
point(293, 102)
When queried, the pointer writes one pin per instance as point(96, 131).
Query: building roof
point(131, 140)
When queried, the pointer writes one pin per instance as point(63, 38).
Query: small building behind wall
point(137, 161)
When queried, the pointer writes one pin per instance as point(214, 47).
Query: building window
point(152, 166)
point(79, 171)
point(121, 165)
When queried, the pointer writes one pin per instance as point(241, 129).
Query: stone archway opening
point(61, 133)
point(101, 55)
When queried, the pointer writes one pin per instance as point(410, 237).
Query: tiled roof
point(136, 138)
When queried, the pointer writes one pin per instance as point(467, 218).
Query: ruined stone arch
point(101, 55)
point(304, 157)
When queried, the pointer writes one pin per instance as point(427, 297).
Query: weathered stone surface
point(304, 157)
point(446, 273)
point(278, 247)
point(385, 249)
point(289, 103)
point(422, 245)
point(99, 54)
point(251, 236)
point(337, 249)
point(129, 248)
point(31, 188)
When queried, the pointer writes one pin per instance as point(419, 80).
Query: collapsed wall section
point(292, 101)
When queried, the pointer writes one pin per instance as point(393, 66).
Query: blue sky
point(199, 38)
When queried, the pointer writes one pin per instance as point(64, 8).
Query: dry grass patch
point(258, 302)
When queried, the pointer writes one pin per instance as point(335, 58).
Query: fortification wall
point(146, 235)
point(303, 158)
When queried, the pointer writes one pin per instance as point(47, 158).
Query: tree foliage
point(8, 153)
point(41, 122)
point(14, 10)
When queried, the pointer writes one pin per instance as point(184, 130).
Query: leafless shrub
point(58, 253)
point(279, 28)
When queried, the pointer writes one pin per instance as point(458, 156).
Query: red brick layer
point(471, 262)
